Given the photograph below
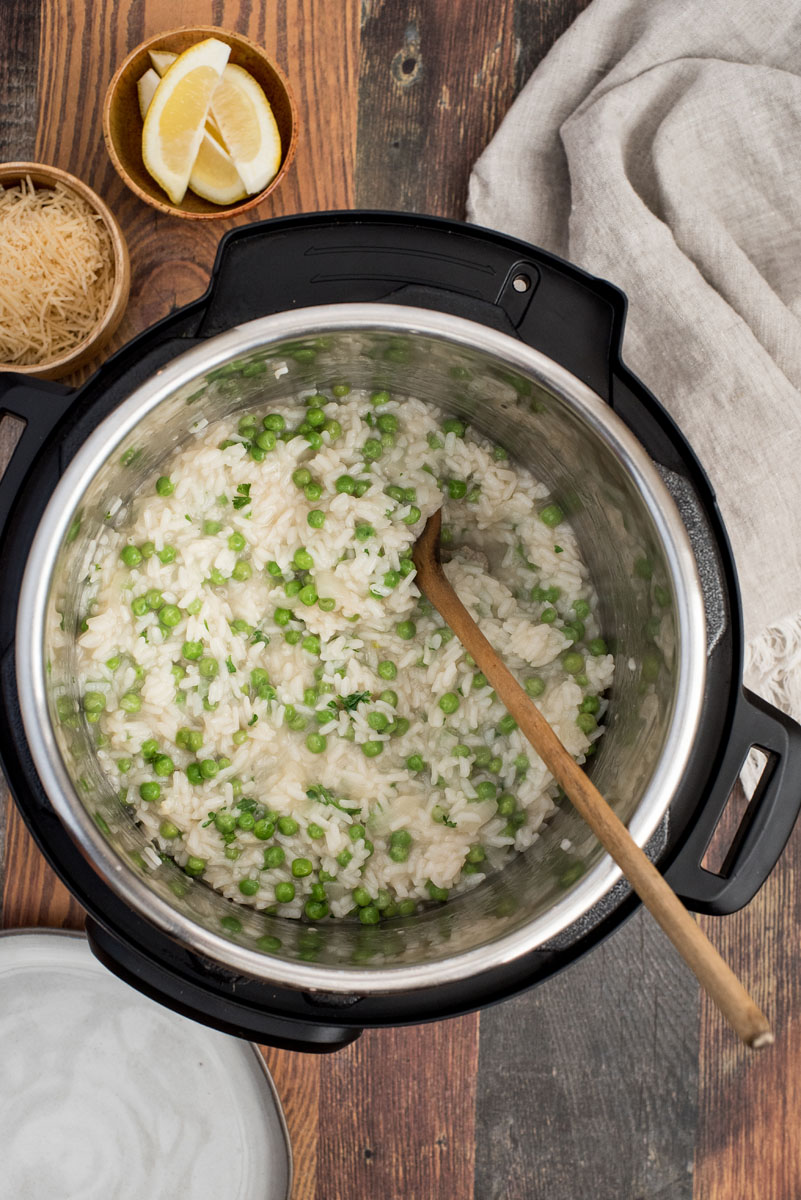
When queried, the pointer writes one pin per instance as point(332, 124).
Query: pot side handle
point(766, 824)
point(40, 404)
point(227, 1015)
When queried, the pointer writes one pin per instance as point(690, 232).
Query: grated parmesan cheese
point(56, 272)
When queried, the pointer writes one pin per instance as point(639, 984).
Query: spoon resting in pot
point(714, 975)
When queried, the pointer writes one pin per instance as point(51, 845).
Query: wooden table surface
point(614, 1081)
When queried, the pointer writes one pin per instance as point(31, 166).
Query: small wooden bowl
point(42, 175)
point(122, 120)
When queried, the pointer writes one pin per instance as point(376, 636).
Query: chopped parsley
point(242, 496)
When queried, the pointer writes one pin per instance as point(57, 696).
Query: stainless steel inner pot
point(632, 540)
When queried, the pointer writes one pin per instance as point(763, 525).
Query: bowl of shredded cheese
point(64, 271)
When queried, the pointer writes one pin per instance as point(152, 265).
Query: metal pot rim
point(31, 666)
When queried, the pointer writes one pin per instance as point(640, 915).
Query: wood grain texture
point(750, 1108)
point(32, 893)
point(589, 1082)
point(538, 24)
point(397, 1115)
point(435, 81)
point(19, 39)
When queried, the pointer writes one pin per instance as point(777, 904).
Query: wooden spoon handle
point(714, 975)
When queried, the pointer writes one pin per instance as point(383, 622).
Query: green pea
point(398, 727)
point(457, 489)
point(301, 867)
point(436, 893)
point(164, 485)
point(208, 768)
point(389, 697)
point(315, 417)
point(332, 428)
point(506, 804)
point(274, 857)
point(362, 486)
point(131, 556)
point(285, 892)
point(312, 492)
point(387, 669)
point(163, 765)
point(476, 854)
point(344, 857)
point(586, 722)
point(301, 477)
point(266, 441)
point(316, 742)
point(236, 542)
point(124, 765)
point(372, 449)
point(355, 832)
point(415, 762)
point(479, 680)
point(486, 790)
point(139, 606)
point(372, 749)
point(311, 643)
point(308, 595)
point(208, 667)
point(302, 560)
point(167, 554)
point(412, 516)
point(548, 616)
point(363, 532)
point(149, 749)
point(507, 725)
point(94, 702)
point(274, 421)
point(192, 650)
point(150, 791)
point(287, 826)
point(573, 662)
point(326, 603)
point(315, 831)
point(552, 515)
point(534, 685)
point(361, 897)
point(407, 907)
point(346, 484)
point(195, 866)
point(316, 910)
point(316, 518)
point(194, 607)
point(387, 423)
point(377, 721)
point(194, 774)
point(168, 830)
point(496, 765)
point(369, 915)
point(406, 630)
point(590, 704)
point(483, 756)
point(449, 703)
point(170, 615)
point(264, 829)
point(434, 441)
point(248, 887)
point(597, 647)
point(453, 425)
point(225, 822)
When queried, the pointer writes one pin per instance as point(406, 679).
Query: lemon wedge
point(174, 125)
point(146, 90)
point(162, 60)
point(214, 176)
point(248, 127)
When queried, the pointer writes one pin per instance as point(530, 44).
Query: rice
point(288, 716)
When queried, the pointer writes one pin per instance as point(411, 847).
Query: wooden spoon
point(692, 944)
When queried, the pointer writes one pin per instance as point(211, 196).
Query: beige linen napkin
point(659, 145)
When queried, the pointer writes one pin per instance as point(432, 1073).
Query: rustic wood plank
point(19, 37)
point(538, 24)
point(297, 1081)
point(750, 1105)
point(396, 1115)
point(589, 1082)
point(435, 81)
point(32, 893)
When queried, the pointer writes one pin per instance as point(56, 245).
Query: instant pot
point(527, 348)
